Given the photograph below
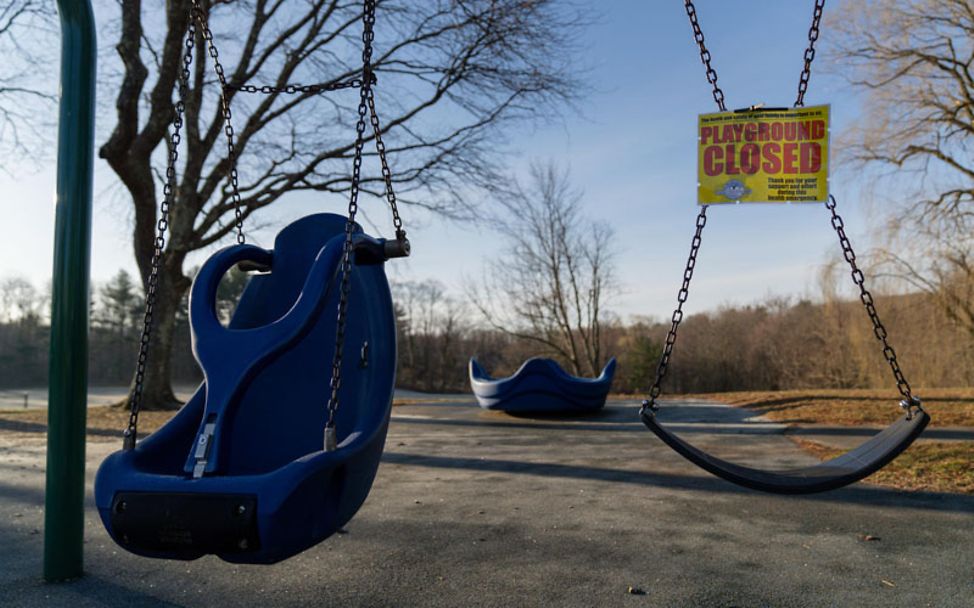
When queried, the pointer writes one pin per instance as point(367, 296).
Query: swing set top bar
point(68, 362)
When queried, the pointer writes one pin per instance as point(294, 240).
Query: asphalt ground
point(474, 508)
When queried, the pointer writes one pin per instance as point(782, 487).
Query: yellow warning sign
point(763, 156)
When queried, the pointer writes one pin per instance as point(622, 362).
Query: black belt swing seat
point(842, 470)
point(832, 474)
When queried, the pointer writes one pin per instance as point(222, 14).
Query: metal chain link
point(292, 89)
point(355, 82)
point(909, 402)
point(152, 284)
point(705, 54)
point(380, 147)
point(200, 15)
point(809, 53)
point(677, 318)
point(368, 21)
point(197, 15)
point(681, 298)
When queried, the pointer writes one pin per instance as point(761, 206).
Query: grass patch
point(934, 466)
point(850, 407)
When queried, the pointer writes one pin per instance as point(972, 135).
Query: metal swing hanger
point(373, 250)
point(838, 472)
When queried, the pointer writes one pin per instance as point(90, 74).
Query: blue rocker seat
point(240, 470)
point(541, 386)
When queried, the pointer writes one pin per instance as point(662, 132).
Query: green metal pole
point(68, 367)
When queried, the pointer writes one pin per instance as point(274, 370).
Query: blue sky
point(631, 149)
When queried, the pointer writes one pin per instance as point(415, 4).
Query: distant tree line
point(117, 307)
point(776, 344)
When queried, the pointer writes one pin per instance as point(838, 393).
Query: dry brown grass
point(854, 407)
point(104, 423)
point(935, 466)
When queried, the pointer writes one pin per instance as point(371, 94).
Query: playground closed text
point(763, 156)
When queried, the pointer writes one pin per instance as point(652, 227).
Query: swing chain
point(813, 32)
point(368, 21)
point(152, 284)
point(197, 15)
point(909, 402)
point(292, 89)
point(649, 405)
point(354, 82)
point(705, 54)
point(200, 15)
point(380, 147)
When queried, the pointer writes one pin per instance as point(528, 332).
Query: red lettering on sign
point(705, 133)
point(772, 163)
point(788, 158)
point(750, 158)
point(730, 162)
point(811, 157)
point(818, 129)
point(712, 154)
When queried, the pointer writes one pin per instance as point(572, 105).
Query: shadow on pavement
point(855, 494)
point(610, 425)
point(90, 587)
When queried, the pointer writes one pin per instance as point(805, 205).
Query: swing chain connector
point(128, 439)
point(204, 445)
point(911, 405)
point(648, 408)
point(331, 437)
point(369, 250)
point(398, 248)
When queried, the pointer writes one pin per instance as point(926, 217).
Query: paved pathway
point(474, 508)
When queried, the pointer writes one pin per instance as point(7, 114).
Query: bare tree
point(936, 256)
point(26, 92)
point(913, 59)
point(452, 76)
point(431, 331)
point(550, 284)
point(19, 301)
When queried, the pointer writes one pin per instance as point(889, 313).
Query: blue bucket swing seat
point(541, 386)
point(262, 463)
point(261, 488)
